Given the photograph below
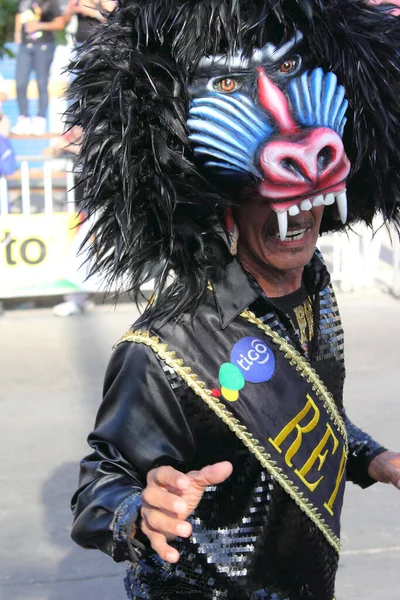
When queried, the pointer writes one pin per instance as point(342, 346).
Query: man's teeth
point(306, 205)
point(294, 234)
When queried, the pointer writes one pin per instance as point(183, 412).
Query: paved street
point(51, 379)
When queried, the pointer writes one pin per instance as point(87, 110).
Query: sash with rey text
point(272, 399)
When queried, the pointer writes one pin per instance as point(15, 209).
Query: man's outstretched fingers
point(159, 544)
point(212, 474)
point(161, 509)
point(159, 497)
point(168, 477)
point(168, 526)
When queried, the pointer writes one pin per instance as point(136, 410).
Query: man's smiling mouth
point(293, 234)
point(296, 208)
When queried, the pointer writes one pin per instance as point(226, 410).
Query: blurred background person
point(88, 13)
point(68, 146)
point(4, 120)
point(35, 23)
point(8, 162)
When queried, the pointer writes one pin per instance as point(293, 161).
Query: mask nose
point(307, 157)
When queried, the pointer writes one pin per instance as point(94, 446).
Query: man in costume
point(220, 138)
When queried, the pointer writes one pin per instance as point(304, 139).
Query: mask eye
point(289, 66)
point(226, 85)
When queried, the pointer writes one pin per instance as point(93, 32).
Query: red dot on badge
point(215, 392)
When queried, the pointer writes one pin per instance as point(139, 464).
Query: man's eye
point(227, 85)
point(289, 66)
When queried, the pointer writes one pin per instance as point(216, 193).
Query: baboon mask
point(189, 105)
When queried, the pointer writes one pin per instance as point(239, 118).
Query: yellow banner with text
point(38, 254)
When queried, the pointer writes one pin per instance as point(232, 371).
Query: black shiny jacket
point(250, 539)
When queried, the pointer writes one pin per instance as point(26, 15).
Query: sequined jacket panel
point(250, 540)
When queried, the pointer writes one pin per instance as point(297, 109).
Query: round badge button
point(254, 358)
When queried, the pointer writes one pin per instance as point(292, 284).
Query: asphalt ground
point(51, 379)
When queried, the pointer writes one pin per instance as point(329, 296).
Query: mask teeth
point(282, 224)
point(293, 210)
point(318, 200)
point(341, 201)
point(329, 199)
point(305, 205)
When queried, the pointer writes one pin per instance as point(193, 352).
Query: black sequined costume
point(250, 539)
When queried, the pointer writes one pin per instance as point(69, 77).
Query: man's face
point(260, 245)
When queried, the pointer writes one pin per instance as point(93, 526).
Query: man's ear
point(232, 231)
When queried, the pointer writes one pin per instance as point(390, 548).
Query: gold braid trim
point(303, 367)
point(265, 459)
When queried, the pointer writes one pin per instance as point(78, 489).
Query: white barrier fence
point(38, 174)
point(39, 239)
point(39, 236)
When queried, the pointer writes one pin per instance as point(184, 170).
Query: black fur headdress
point(155, 210)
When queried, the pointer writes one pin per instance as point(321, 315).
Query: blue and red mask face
point(275, 123)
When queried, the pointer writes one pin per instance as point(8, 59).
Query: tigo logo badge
point(254, 358)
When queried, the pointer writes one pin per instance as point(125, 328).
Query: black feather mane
point(154, 212)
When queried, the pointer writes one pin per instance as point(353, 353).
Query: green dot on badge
point(231, 377)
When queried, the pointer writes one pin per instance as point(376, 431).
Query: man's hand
point(386, 468)
point(169, 498)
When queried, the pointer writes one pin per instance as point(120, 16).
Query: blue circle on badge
point(254, 358)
